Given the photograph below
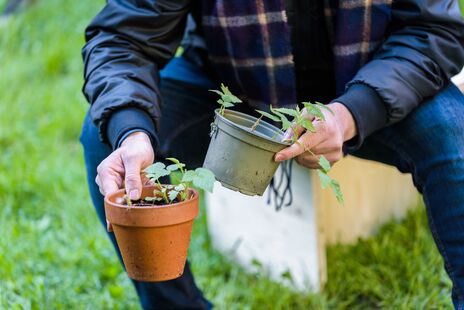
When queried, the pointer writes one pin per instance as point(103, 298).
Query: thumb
point(132, 179)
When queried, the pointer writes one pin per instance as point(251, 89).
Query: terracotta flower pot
point(153, 240)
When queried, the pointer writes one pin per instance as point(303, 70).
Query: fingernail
point(134, 194)
point(279, 157)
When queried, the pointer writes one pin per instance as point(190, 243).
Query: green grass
point(54, 254)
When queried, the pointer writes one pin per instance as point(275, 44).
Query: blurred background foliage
point(55, 255)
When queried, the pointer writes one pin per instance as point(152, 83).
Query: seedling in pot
point(168, 194)
point(227, 99)
point(300, 119)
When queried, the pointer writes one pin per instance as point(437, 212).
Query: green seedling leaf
point(324, 163)
point(268, 115)
point(337, 191)
point(155, 168)
point(226, 104)
point(307, 124)
point(157, 175)
point(287, 111)
point(173, 195)
point(227, 99)
point(188, 176)
point(172, 167)
point(153, 199)
point(323, 106)
point(215, 91)
point(174, 160)
point(180, 187)
point(324, 178)
point(228, 95)
point(177, 163)
point(204, 179)
point(314, 110)
point(283, 119)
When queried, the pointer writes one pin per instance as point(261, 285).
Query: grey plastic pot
point(243, 160)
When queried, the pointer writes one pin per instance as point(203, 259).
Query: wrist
point(136, 136)
point(344, 120)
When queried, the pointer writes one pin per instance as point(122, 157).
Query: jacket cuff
point(368, 110)
point(130, 119)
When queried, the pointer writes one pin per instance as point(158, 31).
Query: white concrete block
point(249, 229)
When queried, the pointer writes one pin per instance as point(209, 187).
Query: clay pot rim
point(109, 199)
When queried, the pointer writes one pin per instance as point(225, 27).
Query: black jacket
point(129, 41)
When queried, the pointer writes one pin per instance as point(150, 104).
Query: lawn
point(54, 254)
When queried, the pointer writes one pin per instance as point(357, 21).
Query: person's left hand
point(327, 140)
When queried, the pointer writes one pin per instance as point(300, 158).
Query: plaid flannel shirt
point(256, 59)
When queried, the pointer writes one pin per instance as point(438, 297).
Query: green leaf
point(324, 163)
point(285, 122)
point(224, 88)
point(154, 168)
point(314, 110)
point(172, 167)
point(323, 106)
point(337, 191)
point(173, 195)
point(216, 91)
point(307, 124)
point(268, 115)
point(325, 179)
point(180, 187)
point(228, 94)
point(174, 160)
point(156, 171)
point(177, 164)
point(188, 176)
point(227, 104)
point(204, 179)
point(288, 111)
point(153, 199)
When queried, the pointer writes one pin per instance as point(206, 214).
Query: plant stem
point(128, 201)
point(165, 197)
point(256, 123)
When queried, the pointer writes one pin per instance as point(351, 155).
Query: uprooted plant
point(227, 99)
point(167, 194)
point(300, 119)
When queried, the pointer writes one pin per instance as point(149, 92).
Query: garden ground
point(55, 255)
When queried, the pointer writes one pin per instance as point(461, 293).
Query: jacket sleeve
point(423, 49)
point(127, 43)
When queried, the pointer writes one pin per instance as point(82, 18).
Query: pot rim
point(109, 199)
point(236, 126)
point(151, 216)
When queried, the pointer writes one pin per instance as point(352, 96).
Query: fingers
point(123, 167)
point(132, 179)
point(310, 161)
point(108, 179)
point(306, 142)
point(297, 130)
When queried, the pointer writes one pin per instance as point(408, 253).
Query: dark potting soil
point(144, 203)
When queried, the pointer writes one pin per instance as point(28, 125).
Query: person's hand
point(122, 168)
point(327, 140)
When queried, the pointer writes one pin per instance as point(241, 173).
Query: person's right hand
point(123, 167)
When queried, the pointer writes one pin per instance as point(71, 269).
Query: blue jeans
point(428, 144)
